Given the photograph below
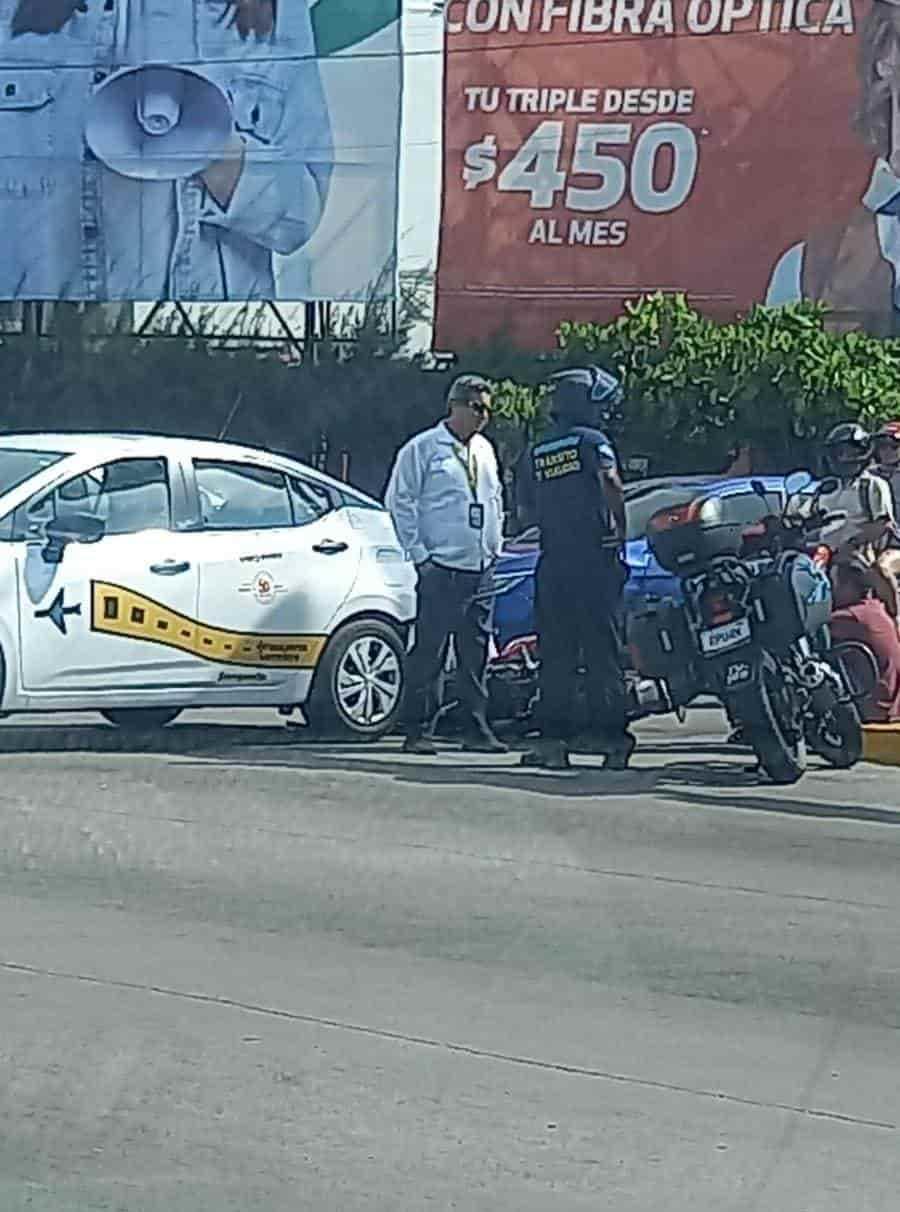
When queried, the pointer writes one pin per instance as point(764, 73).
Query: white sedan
point(143, 575)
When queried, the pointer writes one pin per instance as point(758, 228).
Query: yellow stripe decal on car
point(119, 611)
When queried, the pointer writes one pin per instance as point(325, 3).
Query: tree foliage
point(776, 379)
point(695, 389)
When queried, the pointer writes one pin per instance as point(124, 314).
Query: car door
point(115, 614)
point(279, 558)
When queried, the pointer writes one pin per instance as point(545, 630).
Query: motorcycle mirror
point(796, 482)
point(827, 486)
point(759, 488)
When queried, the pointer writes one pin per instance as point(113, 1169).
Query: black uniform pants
point(578, 613)
point(447, 606)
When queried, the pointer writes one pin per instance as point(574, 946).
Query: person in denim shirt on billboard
point(76, 228)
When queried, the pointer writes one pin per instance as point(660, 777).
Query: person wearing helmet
point(862, 495)
point(572, 480)
point(887, 459)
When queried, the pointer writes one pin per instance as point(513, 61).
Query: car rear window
point(17, 466)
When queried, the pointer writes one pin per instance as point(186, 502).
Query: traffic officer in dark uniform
point(576, 497)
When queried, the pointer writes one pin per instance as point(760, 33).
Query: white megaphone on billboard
point(158, 123)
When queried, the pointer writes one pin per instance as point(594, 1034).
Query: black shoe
point(618, 755)
point(419, 746)
point(547, 755)
point(587, 742)
point(483, 740)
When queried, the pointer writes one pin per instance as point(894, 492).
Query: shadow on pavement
point(718, 766)
point(177, 739)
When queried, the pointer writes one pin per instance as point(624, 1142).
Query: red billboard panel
point(595, 150)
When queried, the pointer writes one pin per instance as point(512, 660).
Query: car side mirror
point(71, 528)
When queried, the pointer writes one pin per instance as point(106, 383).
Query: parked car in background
point(143, 575)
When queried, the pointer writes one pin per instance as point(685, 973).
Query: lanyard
point(466, 457)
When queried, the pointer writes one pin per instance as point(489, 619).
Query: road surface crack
point(445, 1045)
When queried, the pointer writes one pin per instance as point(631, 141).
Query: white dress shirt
point(864, 500)
point(786, 283)
point(439, 489)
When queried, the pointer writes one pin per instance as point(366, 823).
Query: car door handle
point(170, 568)
point(329, 547)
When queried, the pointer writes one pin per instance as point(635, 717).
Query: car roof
point(712, 484)
point(112, 445)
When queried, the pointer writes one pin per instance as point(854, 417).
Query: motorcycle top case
point(686, 538)
point(792, 601)
point(659, 640)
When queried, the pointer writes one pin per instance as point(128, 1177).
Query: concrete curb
point(881, 743)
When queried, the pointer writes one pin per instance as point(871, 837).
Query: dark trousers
point(578, 613)
point(447, 607)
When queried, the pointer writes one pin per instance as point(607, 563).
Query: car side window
point(309, 500)
point(127, 495)
point(241, 496)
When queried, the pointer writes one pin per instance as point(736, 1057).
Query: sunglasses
point(479, 408)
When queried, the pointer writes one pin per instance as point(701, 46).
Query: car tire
point(141, 719)
point(357, 691)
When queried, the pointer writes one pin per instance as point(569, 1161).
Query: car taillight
point(522, 648)
point(668, 519)
point(718, 607)
point(822, 556)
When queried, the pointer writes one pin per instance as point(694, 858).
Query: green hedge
point(775, 380)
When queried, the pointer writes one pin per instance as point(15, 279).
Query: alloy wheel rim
point(368, 682)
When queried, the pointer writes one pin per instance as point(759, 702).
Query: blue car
point(513, 579)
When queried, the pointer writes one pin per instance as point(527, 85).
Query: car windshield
point(17, 465)
point(644, 503)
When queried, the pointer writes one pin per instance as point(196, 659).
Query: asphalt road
point(241, 973)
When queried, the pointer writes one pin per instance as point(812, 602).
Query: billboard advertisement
point(198, 149)
point(741, 151)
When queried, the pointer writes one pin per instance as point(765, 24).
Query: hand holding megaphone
point(159, 123)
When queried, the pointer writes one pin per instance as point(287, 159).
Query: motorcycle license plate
point(722, 639)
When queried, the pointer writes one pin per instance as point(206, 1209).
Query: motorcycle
point(512, 680)
point(823, 674)
point(753, 628)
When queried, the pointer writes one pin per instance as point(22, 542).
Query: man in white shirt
point(863, 496)
point(446, 501)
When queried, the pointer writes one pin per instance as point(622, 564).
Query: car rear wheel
point(141, 719)
point(358, 688)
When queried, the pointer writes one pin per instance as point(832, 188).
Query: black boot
point(419, 745)
point(618, 755)
point(547, 755)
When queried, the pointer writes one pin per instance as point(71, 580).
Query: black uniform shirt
point(568, 497)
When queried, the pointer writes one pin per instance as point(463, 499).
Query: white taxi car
point(142, 575)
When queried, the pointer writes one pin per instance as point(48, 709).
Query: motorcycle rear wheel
point(763, 711)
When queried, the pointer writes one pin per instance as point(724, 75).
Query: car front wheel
point(358, 688)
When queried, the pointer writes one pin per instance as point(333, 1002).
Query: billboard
point(198, 149)
point(739, 150)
